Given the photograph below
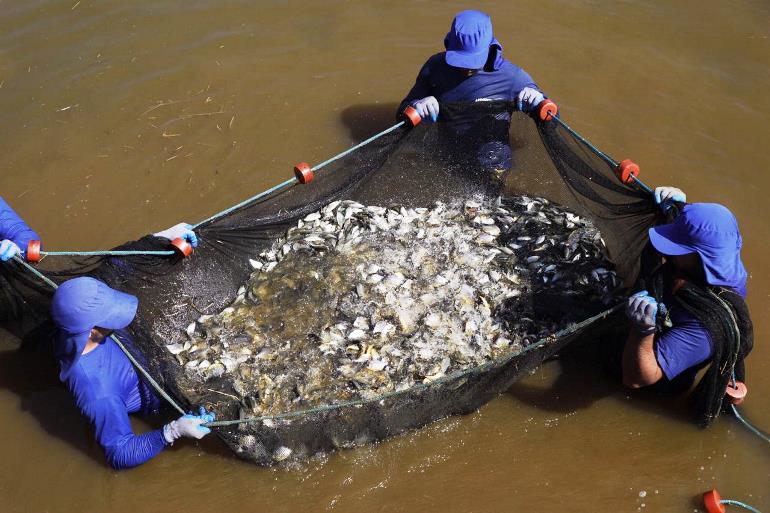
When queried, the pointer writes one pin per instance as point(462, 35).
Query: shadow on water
point(363, 121)
point(30, 372)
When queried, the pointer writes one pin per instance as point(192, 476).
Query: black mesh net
point(411, 167)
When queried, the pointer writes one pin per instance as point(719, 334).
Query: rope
point(107, 253)
point(743, 421)
point(291, 181)
point(449, 377)
point(740, 504)
point(37, 273)
point(245, 202)
point(147, 376)
point(359, 145)
point(748, 425)
point(609, 160)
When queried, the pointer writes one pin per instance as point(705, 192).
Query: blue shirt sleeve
point(683, 346)
point(521, 79)
point(421, 88)
point(122, 447)
point(13, 228)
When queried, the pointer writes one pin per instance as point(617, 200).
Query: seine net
point(409, 166)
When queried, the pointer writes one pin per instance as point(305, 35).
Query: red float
point(712, 502)
point(182, 247)
point(547, 110)
point(411, 114)
point(736, 393)
point(33, 251)
point(626, 171)
point(303, 172)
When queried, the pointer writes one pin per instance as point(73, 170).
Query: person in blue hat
point(102, 380)
point(15, 234)
point(705, 295)
point(473, 69)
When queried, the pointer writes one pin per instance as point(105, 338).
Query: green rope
point(740, 504)
point(37, 273)
point(147, 376)
point(109, 253)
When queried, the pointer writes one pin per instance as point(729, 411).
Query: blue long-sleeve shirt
point(503, 81)
point(13, 228)
point(449, 84)
point(106, 389)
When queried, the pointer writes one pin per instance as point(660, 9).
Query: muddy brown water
point(120, 118)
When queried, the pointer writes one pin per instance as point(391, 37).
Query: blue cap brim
point(467, 60)
point(120, 312)
point(664, 240)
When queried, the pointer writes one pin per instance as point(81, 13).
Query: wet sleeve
point(685, 345)
point(122, 447)
point(12, 227)
point(420, 89)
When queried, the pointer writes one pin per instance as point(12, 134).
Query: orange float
point(303, 172)
point(182, 247)
point(33, 251)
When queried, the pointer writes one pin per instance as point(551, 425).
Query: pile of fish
point(356, 301)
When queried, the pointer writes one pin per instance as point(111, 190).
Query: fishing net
point(413, 167)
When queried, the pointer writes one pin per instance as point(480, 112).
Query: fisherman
point(704, 290)
point(14, 233)
point(473, 69)
point(101, 378)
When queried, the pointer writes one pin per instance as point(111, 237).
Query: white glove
point(529, 98)
point(428, 106)
point(182, 230)
point(8, 249)
point(188, 425)
point(664, 194)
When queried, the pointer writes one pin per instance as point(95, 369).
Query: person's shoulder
point(437, 60)
point(88, 387)
point(509, 68)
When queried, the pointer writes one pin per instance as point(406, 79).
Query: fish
point(355, 301)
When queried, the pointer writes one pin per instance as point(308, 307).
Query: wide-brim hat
point(711, 231)
point(81, 304)
point(468, 40)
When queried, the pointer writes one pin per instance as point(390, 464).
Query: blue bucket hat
point(711, 231)
point(469, 40)
point(80, 305)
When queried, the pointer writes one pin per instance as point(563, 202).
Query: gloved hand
point(528, 99)
point(642, 311)
point(188, 425)
point(182, 230)
point(8, 249)
point(664, 196)
point(428, 106)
